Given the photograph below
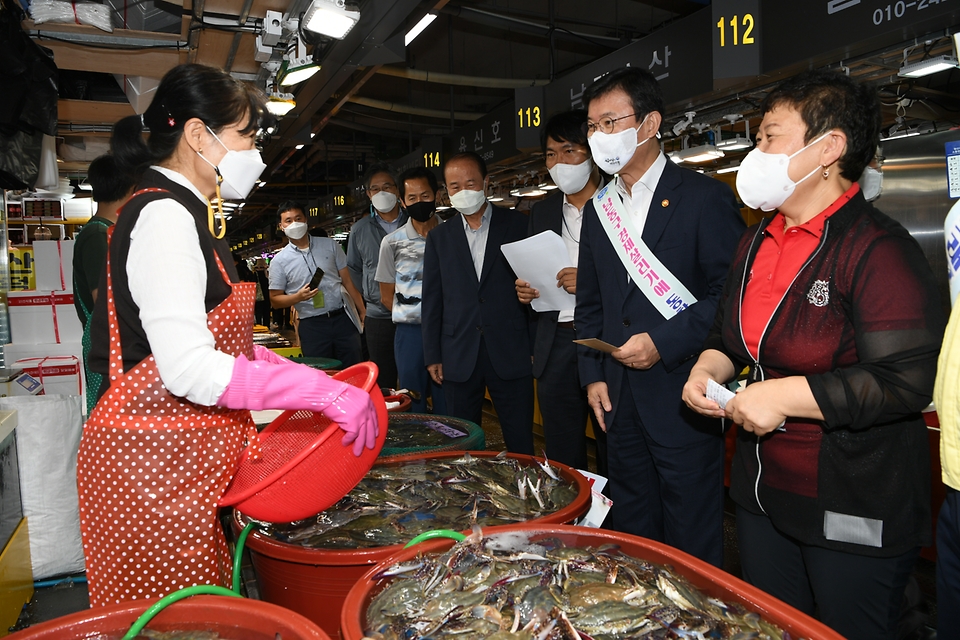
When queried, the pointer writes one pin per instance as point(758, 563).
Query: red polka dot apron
point(152, 468)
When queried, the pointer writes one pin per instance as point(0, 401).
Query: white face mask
point(571, 178)
point(763, 181)
point(613, 151)
point(237, 172)
point(295, 230)
point(871, 183)
point(384, 201)
point(468, 202)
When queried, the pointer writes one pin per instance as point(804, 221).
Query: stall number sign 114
point(736, 22)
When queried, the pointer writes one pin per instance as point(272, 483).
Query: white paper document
point(719, 394)
point(538, 260)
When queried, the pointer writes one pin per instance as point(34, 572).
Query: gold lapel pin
point(664, 203)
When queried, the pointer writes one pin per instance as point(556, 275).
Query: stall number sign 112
point(532, 117)
point(736, 22)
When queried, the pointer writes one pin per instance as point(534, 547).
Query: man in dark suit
point(563, 402)
point(665, 462)
point(475, 331)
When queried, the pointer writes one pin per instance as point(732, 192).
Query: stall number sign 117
point(736, 22)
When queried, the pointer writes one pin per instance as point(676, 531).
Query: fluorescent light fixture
point(956, 44)
point(927, 67)
point(906, 133)
point(729, 169)
point(547, 186)
point(702, 153)
point(495, 198)
point(515, 192)
point(312, 135)
point(737, 143)
point(531, 192)
point(296, 71)
point(418, 28)
point(280, 104)
point(299, 146)
point(330, 18)
point(442, 208)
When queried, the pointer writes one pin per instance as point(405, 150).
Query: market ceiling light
point(702, 153)
point(927, 67)
point(280, 104)
point(418, 28)
point(331, 18)
point(547, 186)
point(299, 146)
point(297, 66)
point(531, 192)
point(737, 143)
point(729, 169)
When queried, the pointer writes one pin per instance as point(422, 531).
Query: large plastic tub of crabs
point(230, 618)
point(422, 433)
point(605, 607)
point(314, 582)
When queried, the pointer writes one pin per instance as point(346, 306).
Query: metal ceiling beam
point(463, 81)
point(406, 109)
point(92, 112)
point(152, 63)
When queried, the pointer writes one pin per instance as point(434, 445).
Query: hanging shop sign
point(678, 55)
point(493, 136)
point(530, 117)
point(846, 27)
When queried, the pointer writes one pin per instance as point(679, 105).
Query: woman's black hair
point(413, 174)
point(639, 84)
point(569, 126)
point(186, 91)
point(829, 100)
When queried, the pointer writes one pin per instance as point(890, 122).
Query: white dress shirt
point(571, 223)
point(638, 201)
point(477, 238)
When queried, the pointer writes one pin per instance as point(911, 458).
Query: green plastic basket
point(428, 433)
point(319, 363)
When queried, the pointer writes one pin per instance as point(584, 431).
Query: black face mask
point(421, 211)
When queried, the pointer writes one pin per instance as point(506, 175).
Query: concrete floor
point(919, 621)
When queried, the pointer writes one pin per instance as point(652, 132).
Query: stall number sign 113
point(736, 23)
point(532, 117)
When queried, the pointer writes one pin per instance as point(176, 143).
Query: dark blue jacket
point(458, 310)
point(693, 226)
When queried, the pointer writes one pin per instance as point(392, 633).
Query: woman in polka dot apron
point(173, 338)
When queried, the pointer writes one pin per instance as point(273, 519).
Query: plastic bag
point(48, 438)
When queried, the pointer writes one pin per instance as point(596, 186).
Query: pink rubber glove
point(258, 385)
point(266, 355)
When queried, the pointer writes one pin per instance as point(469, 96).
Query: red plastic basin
point(231, 618)
point(315, 582)
point(709, 579)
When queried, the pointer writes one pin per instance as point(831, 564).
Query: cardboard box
point(13, 353)
point(43, 317)
point(53, 264)
point(59, 375)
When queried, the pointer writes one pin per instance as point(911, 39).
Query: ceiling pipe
point(383, 105)
point(527, 26)
point(460, 80)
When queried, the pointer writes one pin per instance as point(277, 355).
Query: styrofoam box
point(59, 375)
point(65, 381)
point(53, 264)
point(32, 317)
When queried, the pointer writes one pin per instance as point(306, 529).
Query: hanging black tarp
point(28, 80)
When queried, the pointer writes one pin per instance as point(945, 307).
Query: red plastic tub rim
point(344, 557)
point(709, 579)
point(243, 619)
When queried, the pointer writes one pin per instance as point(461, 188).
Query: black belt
point(328, 314)
point(567, 325)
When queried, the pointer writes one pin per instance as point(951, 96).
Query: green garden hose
point(435, 533)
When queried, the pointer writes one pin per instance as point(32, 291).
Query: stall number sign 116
point(735, 22)
point(532, 117)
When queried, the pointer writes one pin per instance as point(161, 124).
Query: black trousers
point(380, 334)
point(857, 596)
point(948, 566)
point(330, 337)
point(563, 404)
point(261, 312)
point(669, 494)
point(512, 399)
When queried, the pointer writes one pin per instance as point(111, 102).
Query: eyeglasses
point(604, 126)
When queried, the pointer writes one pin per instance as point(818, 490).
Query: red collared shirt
point(779, 259)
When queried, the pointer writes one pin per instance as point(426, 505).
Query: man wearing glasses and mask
point(655, 248)
point(363, 255)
